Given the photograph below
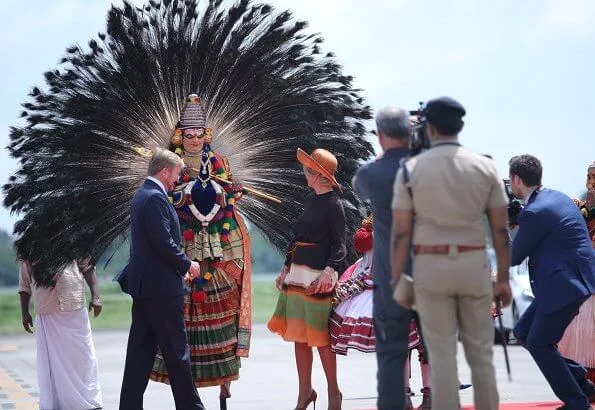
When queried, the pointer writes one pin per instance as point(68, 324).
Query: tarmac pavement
point(268, 379)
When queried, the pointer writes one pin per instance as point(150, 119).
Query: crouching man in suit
point(154, 277)
point(553, 235)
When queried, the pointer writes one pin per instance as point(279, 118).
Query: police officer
point(450, 189)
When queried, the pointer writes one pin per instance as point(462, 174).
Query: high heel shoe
point(225, 390)
point(224, 394)
point(335, 406)
point(311, 399)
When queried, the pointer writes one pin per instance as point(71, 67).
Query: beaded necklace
point(211, 165)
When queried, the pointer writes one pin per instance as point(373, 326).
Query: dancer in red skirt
point(351, 322)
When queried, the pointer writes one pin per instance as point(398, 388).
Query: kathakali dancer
point(217, 312)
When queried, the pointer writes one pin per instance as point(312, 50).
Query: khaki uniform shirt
point(67, 296)
point(452, 188)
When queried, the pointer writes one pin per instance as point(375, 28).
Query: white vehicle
point(522, 296)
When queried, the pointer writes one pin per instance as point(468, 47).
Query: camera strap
point(406, 177)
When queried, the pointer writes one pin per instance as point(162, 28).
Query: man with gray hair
point(154, 277)
point(162, 160)
point(374, 181)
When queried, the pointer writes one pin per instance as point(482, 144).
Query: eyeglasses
point(192, 136)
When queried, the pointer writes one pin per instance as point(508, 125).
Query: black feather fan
point(266, 92)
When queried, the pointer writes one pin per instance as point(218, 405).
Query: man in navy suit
point(553, 235)
point(154, 277)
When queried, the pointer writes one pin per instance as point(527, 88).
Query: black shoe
point(588, 388)
point(464, 386)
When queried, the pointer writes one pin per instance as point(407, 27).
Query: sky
point(523, 70)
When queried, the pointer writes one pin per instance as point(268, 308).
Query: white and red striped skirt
point(351, 324)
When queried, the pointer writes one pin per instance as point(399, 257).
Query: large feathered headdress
point(266, 90)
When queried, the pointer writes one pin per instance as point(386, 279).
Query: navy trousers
point(391, 325)
point(158, 322)
point(539, 334)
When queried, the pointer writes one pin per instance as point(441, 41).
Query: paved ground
point(268, 378)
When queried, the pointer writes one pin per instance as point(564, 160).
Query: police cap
point(444, 111)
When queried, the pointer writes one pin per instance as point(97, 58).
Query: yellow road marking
point(7, 348)
point(19, 397)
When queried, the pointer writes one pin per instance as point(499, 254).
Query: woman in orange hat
point(309, 275)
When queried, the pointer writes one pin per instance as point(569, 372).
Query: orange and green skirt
point(299, 317)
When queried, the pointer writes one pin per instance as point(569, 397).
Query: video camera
point(514, 205)
point(419, 140)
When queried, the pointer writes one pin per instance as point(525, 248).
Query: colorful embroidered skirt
point(212, 328)
point(206, 244)
point(299, 317)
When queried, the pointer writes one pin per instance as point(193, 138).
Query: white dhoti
point(67, 371)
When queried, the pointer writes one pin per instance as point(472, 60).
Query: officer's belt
point(444, 249)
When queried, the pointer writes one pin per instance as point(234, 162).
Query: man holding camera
point(450, 189)
point(553, 235)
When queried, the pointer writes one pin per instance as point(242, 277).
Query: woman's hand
point(280, 279)
point(327, 281)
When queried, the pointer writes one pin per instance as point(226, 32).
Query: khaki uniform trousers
point(453, 296)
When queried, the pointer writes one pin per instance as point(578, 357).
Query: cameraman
point(553, 235)
point(450, 189)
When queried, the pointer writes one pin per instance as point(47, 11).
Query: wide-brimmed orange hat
point(321, 161)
